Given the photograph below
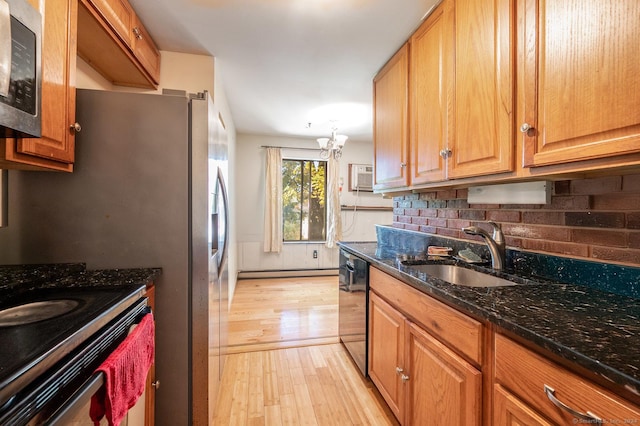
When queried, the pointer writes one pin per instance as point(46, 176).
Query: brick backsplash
point(595, 218)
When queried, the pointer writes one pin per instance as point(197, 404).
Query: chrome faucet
point(495, 242)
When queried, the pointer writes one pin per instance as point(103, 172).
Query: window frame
point(304, 160)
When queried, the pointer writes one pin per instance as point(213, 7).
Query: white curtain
point(273, 202)
point(334, 218)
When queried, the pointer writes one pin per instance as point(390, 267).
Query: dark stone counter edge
point(608, 372)
point(22, 278)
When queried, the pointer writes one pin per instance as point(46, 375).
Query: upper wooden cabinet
point(431, 72)
point(481, 132)
point(580, 80)
point(112, 39)
point(461, 91)
point(390, 139)
point(55, 150)
point(117, 14)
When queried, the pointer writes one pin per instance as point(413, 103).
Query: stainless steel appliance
point(353, 306)
point(20, 69)
point(140, 196)
point(50, 373)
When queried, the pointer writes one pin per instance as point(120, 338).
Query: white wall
point(250, 172)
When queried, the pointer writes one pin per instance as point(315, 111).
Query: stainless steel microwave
point(20, 69)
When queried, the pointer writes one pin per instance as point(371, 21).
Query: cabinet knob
point(137, 33)
point(404, 378)
point(445, 153)
point(399, 370)
point(403, 165)
point(156, 384)
point(525, 128)
point(76, 127)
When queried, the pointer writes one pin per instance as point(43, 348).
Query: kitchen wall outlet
point(315, 254)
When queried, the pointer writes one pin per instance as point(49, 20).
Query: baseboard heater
point(290, 273)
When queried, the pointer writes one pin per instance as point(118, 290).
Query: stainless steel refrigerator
point(148, 191)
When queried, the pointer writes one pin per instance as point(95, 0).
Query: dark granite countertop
point(593, 329)
point(15, 279)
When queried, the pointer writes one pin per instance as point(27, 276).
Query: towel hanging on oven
point(125, 373)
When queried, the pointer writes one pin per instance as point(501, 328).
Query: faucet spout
point(495, 242)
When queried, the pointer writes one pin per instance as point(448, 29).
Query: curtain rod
point(290, 147)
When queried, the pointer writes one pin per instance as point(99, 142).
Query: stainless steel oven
point(353, 303)
point(54, 375)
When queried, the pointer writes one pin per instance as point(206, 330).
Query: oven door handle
point(78, 400)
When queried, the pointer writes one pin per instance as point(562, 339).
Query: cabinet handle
point(588, 416)
point(156, 384)
point(526, 128)
point(137, 33)
point(445, 153)
point(76, 127)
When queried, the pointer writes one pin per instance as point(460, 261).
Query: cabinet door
point(58, 110)
point(581, 76)
point(386, 352)
point(150, 389)
point(508, 410)
point(482, 133)
point(119, 15)
point(430, 67)
point(390, 93)
point(442, 387)
point(145, 50)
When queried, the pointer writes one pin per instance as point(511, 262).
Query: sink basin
point(36, 311)
point(462, 276)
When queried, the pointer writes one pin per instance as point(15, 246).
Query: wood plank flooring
point(311, 385)
point(283, 312)
point(285, 366)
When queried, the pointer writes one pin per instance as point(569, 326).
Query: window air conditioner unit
point(361, 177)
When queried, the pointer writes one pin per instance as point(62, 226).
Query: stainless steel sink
point(462, 276)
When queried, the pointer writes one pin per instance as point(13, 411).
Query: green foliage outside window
point(304, 186)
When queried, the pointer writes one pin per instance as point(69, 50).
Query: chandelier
point(332, 146)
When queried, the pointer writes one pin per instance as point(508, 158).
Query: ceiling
point(284, 63)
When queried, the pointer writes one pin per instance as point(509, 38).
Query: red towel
point(125, 373)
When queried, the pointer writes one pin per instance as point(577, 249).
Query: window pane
point(303, 198)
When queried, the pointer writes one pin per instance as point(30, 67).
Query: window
point(304, 212)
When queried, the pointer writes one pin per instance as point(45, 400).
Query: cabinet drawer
point(526, 373)
point(461, 333)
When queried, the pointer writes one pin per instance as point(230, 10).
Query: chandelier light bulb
point(332, 146)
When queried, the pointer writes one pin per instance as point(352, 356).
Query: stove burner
point(36, 311)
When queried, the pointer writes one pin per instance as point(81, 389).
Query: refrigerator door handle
point(225, 200)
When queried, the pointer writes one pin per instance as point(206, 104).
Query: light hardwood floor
point(285, 366)
point(283, 312)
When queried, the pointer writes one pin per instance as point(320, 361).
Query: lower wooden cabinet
point(434, 365)
point(386, 352)
point(532, 390)
point(442, 388)
point(152, 383)
point(511, 411)
point(422, 380)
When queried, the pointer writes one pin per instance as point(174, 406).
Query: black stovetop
point(26, 351)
